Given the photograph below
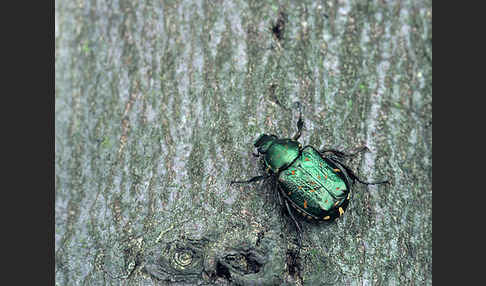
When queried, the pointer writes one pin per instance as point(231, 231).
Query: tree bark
point(158, 104)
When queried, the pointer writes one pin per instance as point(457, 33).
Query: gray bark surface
point(157, 106)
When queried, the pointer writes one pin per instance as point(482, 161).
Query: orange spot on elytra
point(312, 191)
point(305, 204)
point(307, 159)
point(293, 172)
point(337, 188)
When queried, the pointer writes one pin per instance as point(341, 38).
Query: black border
point(458, 203)
point(23, 81)
point(51, 132)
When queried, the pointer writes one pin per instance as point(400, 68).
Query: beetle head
point(263, 142)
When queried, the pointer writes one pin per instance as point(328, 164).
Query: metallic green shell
point(317, 187)
point(281, 153)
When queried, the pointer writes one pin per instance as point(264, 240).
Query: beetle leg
point(299, 230)
point(300, 123)
point(342, 154)
point(348, 170)
point(354, 177)
point(276, 195)
point(254, 179)
point(279, 196)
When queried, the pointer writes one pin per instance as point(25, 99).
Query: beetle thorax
point(281, 154)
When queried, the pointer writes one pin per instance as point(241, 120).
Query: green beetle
point(315, 184)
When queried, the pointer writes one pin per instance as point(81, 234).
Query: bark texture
point(157, 107)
